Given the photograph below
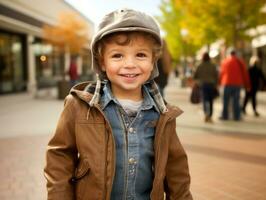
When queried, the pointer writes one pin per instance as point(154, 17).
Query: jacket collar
point(108, 97)
point(90, 93)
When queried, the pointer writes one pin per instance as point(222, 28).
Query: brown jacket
point(81, 155)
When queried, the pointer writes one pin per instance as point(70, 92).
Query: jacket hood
point(124, 20)
point(79, 91)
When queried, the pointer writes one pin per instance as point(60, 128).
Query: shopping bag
point(195, 96)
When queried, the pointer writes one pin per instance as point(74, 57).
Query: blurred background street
point(227, 159)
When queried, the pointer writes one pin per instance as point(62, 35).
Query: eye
point(141, 55)
point(117, 55)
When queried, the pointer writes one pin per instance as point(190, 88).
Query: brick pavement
point(25, 128)
point(22, 161)
point(227, 160)
point(223, 168)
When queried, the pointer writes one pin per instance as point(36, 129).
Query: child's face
point(128, 66)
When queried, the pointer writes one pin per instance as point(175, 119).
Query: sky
point(96, 9)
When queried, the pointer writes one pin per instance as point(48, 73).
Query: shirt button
point(131, 160)
point(130, 130)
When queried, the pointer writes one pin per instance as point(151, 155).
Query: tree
point(198, 21)
point(70, 34)
point(209, 20)
point(171, 21)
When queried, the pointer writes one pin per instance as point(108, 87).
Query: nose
point(129, 62)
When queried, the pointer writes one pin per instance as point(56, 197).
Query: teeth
point(130, 75)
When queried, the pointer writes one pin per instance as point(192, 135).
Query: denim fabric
point(207, 98)
point(231, 92)
point(134, 146)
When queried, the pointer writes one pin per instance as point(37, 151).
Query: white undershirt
point(131, 107)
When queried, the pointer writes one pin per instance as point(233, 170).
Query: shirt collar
point(108, 97)
point(148, 101)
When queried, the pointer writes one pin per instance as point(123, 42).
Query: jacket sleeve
point(222, 72)
point(61, 156)
point(177, 182)
point(215, 75)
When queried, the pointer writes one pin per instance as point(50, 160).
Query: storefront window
point(49, 64)
point(12, 69)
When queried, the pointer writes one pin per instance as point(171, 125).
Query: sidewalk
point(227, 159)
point(21, 115)
point(26, 124)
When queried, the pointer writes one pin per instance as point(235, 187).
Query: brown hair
point(125, 40)
point(206, 57)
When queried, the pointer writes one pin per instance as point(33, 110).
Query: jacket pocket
point(81, 171)
point(80, 178)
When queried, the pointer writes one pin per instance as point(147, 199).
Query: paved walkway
point(227, 159)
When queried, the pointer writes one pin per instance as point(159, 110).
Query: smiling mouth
point(129, 75)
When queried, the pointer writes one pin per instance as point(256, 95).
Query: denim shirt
point(134, 146)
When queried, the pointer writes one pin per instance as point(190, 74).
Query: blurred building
point(28, 63)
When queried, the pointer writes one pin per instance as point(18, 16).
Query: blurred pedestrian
point(105, 146)
point(207, 76)
point(256, 75)
point(164, 65)
point(73, 72)
point(176, 71)
point(233, 76)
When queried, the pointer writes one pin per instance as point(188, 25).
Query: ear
point(101, 63)
point(103, 68)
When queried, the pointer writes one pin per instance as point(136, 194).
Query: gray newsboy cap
point(124, 20)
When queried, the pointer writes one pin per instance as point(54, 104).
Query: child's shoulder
point(173, 111)
point(87, 86)
point(82, 91)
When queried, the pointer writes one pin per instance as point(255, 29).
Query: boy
point(116, 139)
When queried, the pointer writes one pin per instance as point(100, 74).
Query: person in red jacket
point(233, 76)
